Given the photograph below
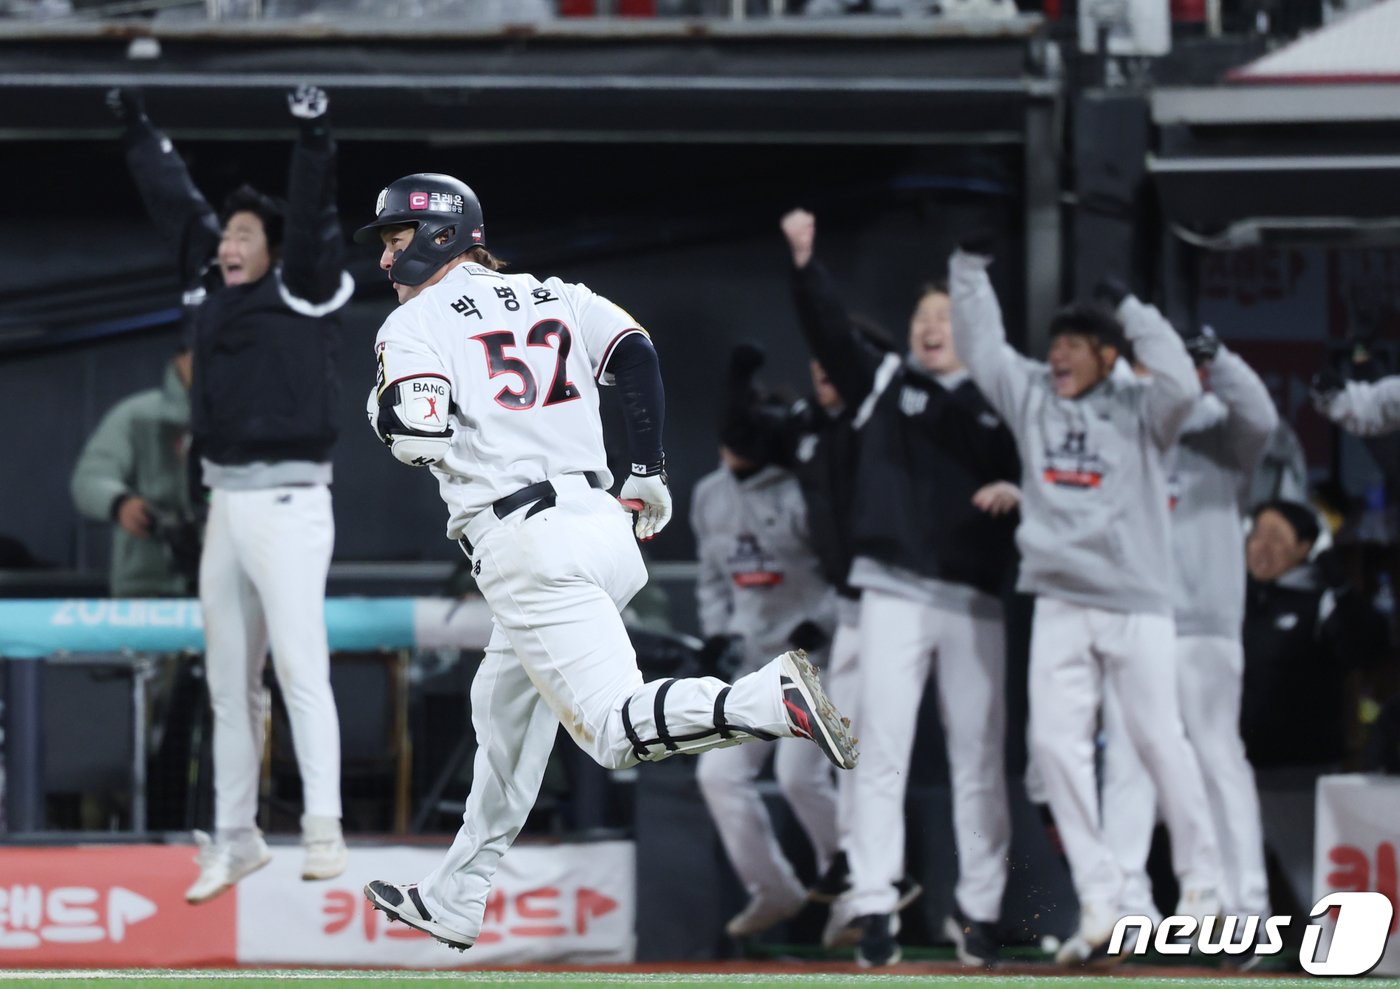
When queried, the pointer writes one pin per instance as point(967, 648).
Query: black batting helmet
point(434, 204)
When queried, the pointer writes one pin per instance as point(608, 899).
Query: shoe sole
point(832, 729)
point(1098, 958)
point(894, 959)
point(315, 876)
point(822, 896)
point(426, 926)
point(233, 881)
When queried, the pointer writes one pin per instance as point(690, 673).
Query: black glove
point(1326, 384)
point(807, 636)
point(1110, 292)
point(981, 242)
point(721, 656)
point(1203, 346)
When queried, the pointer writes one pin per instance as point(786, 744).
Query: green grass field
point(265, 979)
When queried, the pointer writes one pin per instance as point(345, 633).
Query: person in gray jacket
point(132, 473)
point(1221, 443)
point(762, 589)
point(1363, 408)
point(1094, 549)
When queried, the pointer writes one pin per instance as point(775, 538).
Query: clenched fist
point(800, 229)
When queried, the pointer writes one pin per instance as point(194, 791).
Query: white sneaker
point(763, 911)
point(402, 902)
point(326, 854)
point(223, 863)
point(1089, 945)
point(1199, 902)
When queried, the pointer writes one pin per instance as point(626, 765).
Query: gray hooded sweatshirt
point(1221, 442)
point(759, 577)
point(1094, 511)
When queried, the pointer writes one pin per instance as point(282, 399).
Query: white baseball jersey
point(513, 364)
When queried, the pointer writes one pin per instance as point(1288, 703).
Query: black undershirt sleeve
point(637, 374)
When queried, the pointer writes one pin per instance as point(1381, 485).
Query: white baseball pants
point(262, 579)
point(1210, 679)
point(556, 581)
point(727, 779)
point(900, 639)
point(1079, 654)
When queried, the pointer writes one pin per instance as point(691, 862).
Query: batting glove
point(308, 102)
point(647, 485)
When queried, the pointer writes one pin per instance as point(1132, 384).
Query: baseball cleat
point(811, 714)
point(402, 902)
point(223, 863)
point(877, 947)
point(975, 940)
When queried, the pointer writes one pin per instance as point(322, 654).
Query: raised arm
point(1174, 387)
point(1002, 375)
point(175, 206)
point(1360, 408)
point(313, 259)
point(1252, 414)
point(848, 359)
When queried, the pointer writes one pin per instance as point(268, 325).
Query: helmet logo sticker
point(379, 203)
point(446, 202)
point(417, 200)
point(476, 235)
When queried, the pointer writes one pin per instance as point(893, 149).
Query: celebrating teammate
point(1221, 442)
point(932, 545)
point(491, 380)
point(263, 414)
point(1094, 548)
point(760, 582)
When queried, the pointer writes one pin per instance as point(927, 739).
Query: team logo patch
point(417, 200)
point(913, 401)
point(379, 203)
point(476, 235)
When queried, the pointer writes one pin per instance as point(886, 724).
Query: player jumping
point(515, 365)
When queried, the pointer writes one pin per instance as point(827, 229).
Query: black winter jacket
point(265, 383)
point(924, 451)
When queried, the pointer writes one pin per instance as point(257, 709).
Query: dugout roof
point(1298, 143)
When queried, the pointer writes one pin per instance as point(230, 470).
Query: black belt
point(542, 493)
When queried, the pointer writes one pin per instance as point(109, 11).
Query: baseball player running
point(760, 582)
point(1222, 440)
point(491, 381)
point(1094, 549)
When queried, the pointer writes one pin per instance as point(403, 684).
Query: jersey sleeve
point(402, 351)
point(601, 325)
